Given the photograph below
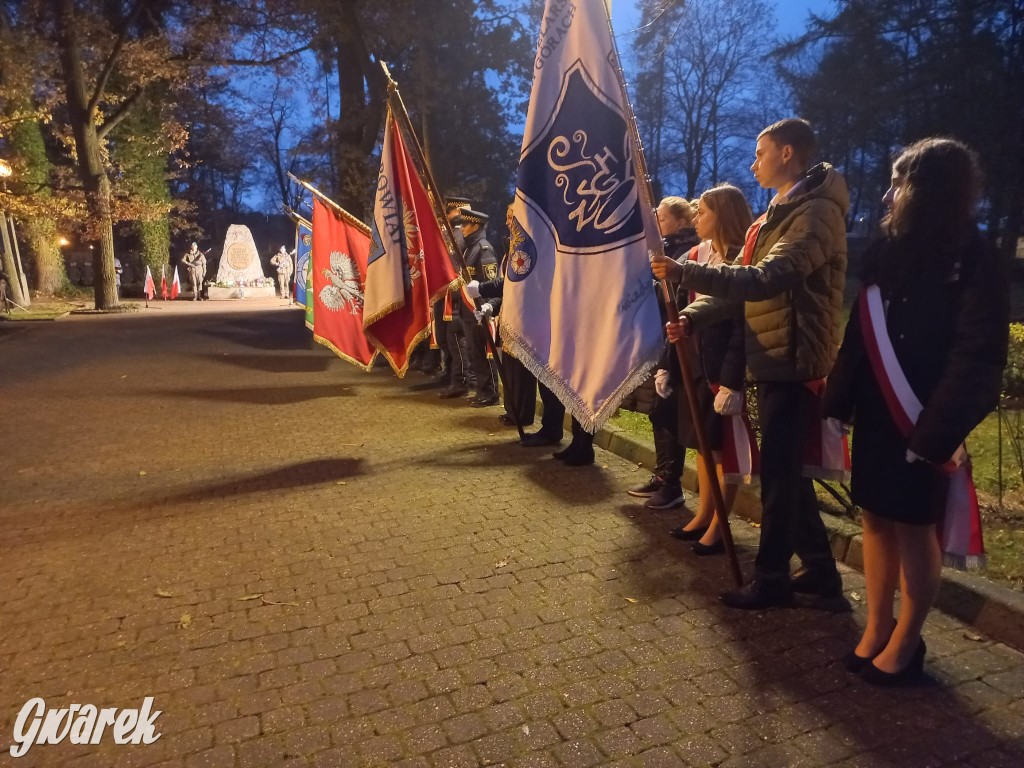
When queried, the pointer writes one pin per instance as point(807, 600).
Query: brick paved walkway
point(306, 564)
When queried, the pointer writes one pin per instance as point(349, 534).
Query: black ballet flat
point(695, 535)
point(854, 663)
point(909, 675)
point(703, 550)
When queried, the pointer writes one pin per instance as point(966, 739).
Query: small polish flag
point(163, 282)
point(150, 286)
point(175, 284)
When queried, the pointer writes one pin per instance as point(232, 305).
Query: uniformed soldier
point(282, 260)
point(457, 376)
point(195, 263)
point(482, 264)
point(522, 385)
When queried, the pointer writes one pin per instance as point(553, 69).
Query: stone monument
point(240, 273)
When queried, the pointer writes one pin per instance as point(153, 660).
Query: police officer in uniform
point(458, 376)
point(482, 264)
point(522, 385)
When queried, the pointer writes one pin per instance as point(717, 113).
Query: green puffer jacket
point(793, 288)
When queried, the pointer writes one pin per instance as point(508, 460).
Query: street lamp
point(63, 241)
point(12, 256)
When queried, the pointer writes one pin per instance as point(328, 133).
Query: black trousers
point(522, 385)
point(441, 337)
point(476, 341)
point(461, 371)
point(671, 456)
point(791, 519)
point(554, 412)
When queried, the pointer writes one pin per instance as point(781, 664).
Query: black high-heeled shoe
point(906, 676)
point(854, 663)
point(692, 535)
point(703, 550)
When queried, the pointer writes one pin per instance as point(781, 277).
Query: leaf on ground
point(856, 596)
point(501, 563)
point(142, 473)
point(339, 482)
point(125, 376)
point(755, 525)
point(974, 637)
point(255, 596)
point(163, 593)
point(526, 730)
point(274, 602)
point(632, 600)
point(185, 621)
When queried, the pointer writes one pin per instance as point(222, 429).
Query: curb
point(991, 609)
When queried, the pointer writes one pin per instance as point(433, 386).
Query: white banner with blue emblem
point(579, 307)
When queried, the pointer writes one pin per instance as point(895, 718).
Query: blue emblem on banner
point(580, 173)
point(522, 256)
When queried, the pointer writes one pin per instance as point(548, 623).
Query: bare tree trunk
point(91, 170)
point(9, 267)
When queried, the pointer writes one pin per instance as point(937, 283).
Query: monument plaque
point(239, 261)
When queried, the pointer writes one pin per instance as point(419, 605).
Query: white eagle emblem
point(343, 290)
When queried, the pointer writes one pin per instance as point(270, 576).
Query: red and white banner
point(175, 284)
point(741, 458)
point(339, 253)
point(827, 447)
point(960, 530)
point(409, 268)
point(150, 287)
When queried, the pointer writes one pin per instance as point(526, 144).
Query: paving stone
point(380, 629)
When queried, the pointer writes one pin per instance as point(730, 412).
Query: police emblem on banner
point(522, 253)
point(579, 175)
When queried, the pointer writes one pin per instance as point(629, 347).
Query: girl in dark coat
point(946, 314)
point(718, 363)
point(664, 490)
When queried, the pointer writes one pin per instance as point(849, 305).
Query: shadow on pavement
point(290, 476)
point(262, 335)
point(782, 666)
point(274, 363)
point(571, 485)
point(264, 395)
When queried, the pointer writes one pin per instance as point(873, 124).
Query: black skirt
point(883, 482)
point(711, 420)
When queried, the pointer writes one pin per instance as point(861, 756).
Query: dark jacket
point(793, 288)
point(718, 347)
point(948, 318)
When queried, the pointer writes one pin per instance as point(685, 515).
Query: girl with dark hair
point(717, 362)
point(920, 366)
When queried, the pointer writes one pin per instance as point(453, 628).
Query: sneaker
point(647, 489)
point(666, 497)
point(758, 595)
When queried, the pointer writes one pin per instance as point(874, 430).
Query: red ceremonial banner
point(430, 271)
point(338, 260)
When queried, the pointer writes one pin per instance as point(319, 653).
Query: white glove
point(488, 309)
point(479, 315)
point(662, 384)
point(473, 289)
point(728, 402)
point(912, 457)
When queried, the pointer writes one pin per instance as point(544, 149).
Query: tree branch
point(108, 66)
point(122, 112)
point(245, 62)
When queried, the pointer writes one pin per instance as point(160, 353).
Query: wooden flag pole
point(644, 182)
point(348, 217)
point(436, 202)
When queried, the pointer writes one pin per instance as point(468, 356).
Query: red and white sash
point(700, 254)
point(741, 458)
point(960, 529)
point(751, 239)
point(826, 447)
